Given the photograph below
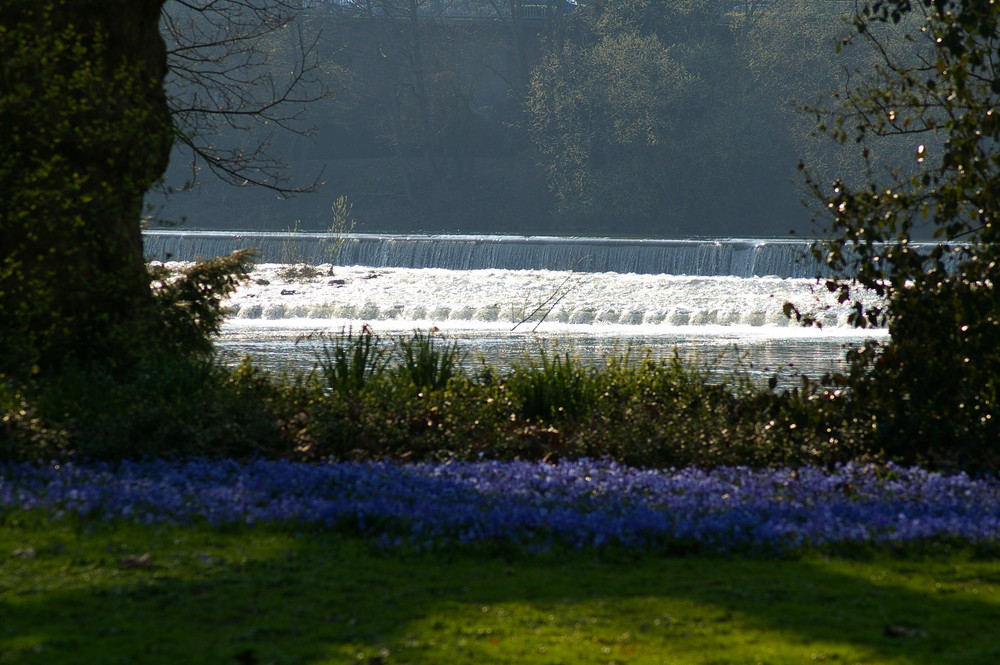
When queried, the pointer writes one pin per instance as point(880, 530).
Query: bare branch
point(238, 67)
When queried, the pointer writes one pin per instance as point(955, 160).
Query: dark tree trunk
point(85, 133)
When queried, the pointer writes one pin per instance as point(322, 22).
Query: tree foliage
point(403, 78)
point(432, 126)
point(602, 117)
point(611, 108)
point(935, 387)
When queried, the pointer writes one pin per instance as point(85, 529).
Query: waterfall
point(728, 257)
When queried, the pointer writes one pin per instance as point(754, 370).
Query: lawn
point(79, 593)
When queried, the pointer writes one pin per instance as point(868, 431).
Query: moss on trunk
point(86, 133)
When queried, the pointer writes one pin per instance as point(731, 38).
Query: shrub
point(932, 393)
point(634, 409)
point(165, 406)
point(190, 303)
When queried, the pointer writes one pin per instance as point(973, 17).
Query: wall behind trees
point(630, 117)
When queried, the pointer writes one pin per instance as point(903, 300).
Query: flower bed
point(530, 505)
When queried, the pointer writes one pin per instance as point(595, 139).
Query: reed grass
point(349, 362)
point(554, 387)
point(427, 361)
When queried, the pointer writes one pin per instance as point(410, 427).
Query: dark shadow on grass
point(323, 593)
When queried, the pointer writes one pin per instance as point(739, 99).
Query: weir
point(698, 257)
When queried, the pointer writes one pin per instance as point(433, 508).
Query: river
point(717, 302)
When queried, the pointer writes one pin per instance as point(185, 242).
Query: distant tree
point(788, 48)
point(717, 96)
point(934, 388)
point(412, 75)
point(603, 118)
point(618, 110)
point(523, 19)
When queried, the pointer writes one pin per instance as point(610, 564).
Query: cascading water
point(733, 257)
point(502, 294)
point(509, 297)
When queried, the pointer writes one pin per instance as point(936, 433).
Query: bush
point(554, 388)
point(190, 303)
point(634, 409)
point(164, 407)
point(932, 394)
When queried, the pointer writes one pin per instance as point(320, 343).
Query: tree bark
point(86, 132)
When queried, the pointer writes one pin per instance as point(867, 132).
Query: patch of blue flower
point(531, 505)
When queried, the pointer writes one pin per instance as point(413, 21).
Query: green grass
point(80, 594)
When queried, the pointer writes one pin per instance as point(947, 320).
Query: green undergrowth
point(135, 594)
point(408, 398)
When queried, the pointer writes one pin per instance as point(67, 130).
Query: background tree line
point(653, 117)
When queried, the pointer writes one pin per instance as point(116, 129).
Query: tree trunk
point(86, 133)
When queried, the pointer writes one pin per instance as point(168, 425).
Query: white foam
point(402, 298)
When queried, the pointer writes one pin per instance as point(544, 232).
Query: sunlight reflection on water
point(762, 352)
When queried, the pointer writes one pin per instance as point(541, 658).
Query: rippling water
point(721, 351)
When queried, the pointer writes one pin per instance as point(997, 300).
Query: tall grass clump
point(350, 362)
point(554, 387)
point(426, 361)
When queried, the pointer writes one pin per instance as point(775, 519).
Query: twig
point(555, 299)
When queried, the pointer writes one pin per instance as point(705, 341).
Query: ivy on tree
point(87, 131)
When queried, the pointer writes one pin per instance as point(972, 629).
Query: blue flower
point(533, 505)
